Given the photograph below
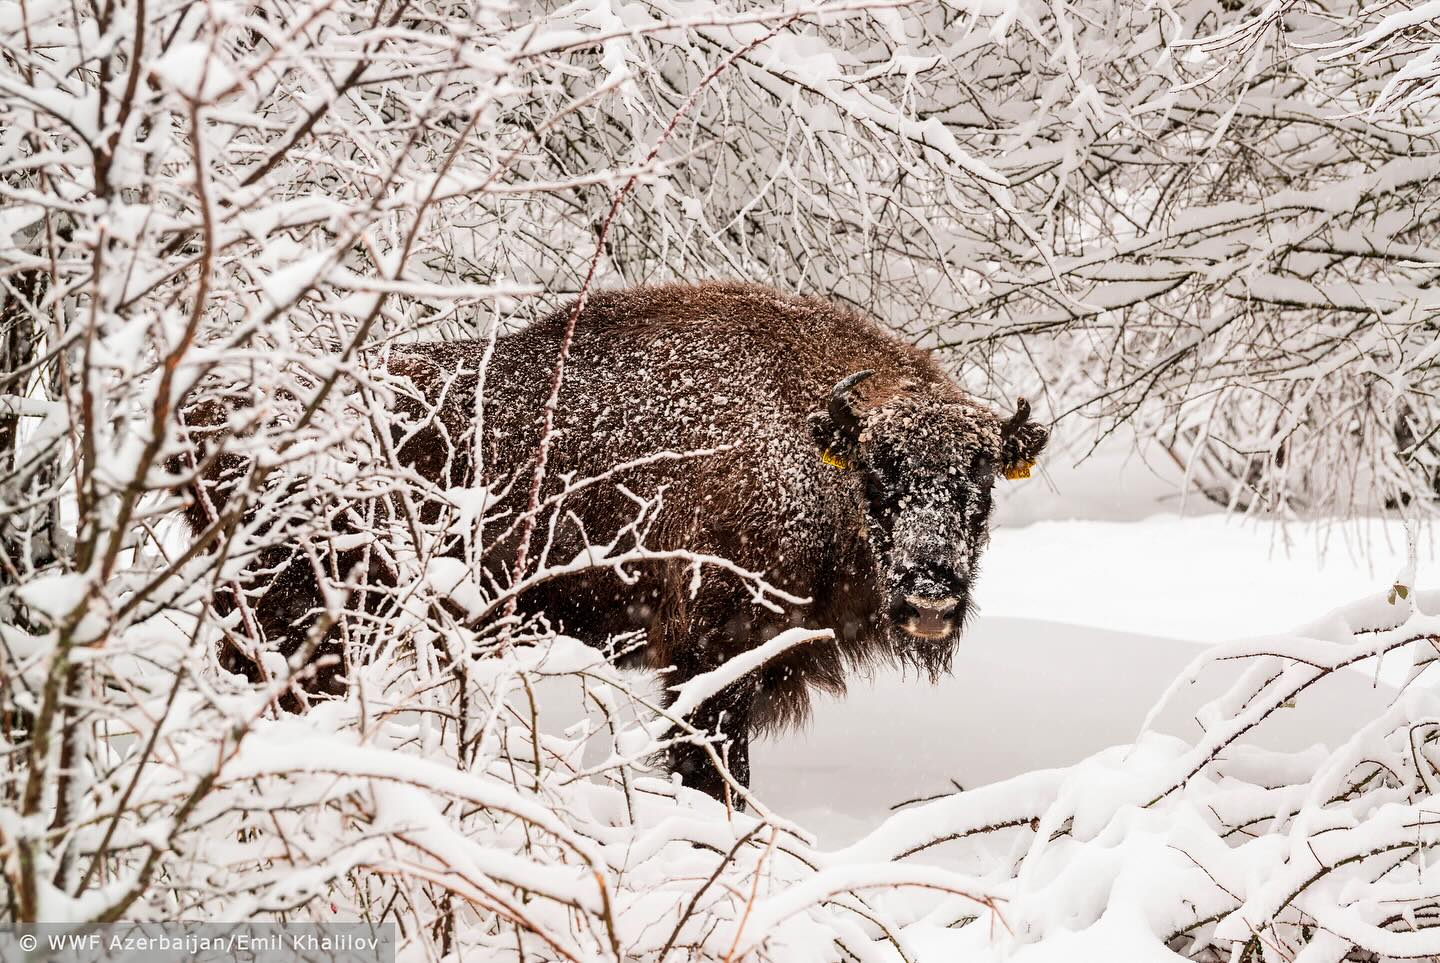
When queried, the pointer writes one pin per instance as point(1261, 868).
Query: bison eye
point(883, 496)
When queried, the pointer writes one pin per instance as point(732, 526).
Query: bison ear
point(837, 447)
point(837, 428)
point(828, 438)
point(1021, 441)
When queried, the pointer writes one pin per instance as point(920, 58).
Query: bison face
point(925, 465)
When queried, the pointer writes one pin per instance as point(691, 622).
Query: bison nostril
point(925, 618)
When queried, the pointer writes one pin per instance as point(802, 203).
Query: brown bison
point(839, 462)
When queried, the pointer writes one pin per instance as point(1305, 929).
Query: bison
point(838, 461)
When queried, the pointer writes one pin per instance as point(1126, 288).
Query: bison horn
point(842, 413)
point(1022, 415)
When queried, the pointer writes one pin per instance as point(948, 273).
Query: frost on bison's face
point(926, 466)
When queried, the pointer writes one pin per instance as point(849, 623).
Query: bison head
point(925, 462)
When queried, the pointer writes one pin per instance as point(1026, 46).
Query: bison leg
point(728, 714)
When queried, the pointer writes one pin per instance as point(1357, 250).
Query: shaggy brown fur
point(750, 371)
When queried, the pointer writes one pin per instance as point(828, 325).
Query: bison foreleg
point(727, 714)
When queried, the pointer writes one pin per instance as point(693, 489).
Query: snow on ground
point(1204, 578)
point(1026, 694)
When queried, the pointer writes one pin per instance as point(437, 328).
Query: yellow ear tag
point(833, 460)
point(1020, 469)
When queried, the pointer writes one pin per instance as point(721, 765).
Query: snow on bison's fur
point(846, 467)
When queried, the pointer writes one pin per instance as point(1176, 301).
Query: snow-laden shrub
point(458, 817)
point(1213, 849)
point(1214, 219)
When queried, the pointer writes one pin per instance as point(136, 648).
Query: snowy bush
point(1214, 219)
point(1212, 849)
point(459, 819)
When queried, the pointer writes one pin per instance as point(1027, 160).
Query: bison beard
point(846, 467)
